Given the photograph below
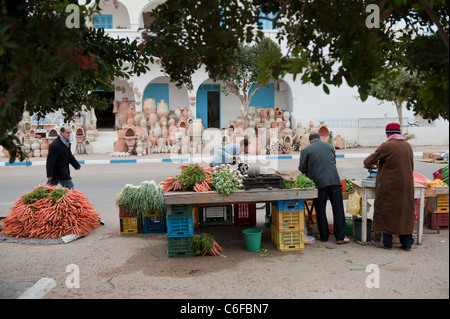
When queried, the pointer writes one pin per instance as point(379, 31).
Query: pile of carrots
point(203, 184)
point(49, 218)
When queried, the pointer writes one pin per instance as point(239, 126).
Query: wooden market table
point(369, 193)
point(257, 195)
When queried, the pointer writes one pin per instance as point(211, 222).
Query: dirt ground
point(114, 266)
point(137, 266)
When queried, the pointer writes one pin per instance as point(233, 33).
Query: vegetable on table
point(226, 180)
point(302, 181)
point(193, 177)
point(435, 183)
point(50, 212)
point(145, 198)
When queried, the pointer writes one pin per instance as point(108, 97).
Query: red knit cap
point(393, 128)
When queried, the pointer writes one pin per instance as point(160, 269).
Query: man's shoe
point(343, 241)
point(406, 248)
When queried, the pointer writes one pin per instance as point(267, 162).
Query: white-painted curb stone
point(39, 289)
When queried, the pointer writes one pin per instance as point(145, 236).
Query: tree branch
point(436, 21)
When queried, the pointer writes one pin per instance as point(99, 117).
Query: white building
point(341, 110)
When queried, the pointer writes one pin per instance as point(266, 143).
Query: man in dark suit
point(58, 160)
point(318, 162)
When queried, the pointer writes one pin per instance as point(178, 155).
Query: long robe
point(394, 197)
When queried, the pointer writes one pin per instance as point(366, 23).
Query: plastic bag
point(354, 204)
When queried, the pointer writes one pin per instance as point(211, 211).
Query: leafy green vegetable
point(225, 181)
point(57, 193)
point(191, 175)
point(302, 181)
point(201, 243)
point(37, 194)
point(146, 198)
point(349, 185)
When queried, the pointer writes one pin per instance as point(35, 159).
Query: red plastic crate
point(125, 213)
point(442, 221)
point(244, 215)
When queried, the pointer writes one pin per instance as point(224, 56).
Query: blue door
point(157, 91)
point(265, 96)
point(202, 103)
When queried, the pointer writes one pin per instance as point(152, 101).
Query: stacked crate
point(128, 222)
point(288, 224)
point(244, 215)
point(180, 230)
point(149, 222)
point(215, 215)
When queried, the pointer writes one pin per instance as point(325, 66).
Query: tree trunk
point(398, 106)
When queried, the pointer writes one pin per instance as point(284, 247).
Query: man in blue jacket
point(58, 159)
point(318, 162)
point(228, 153)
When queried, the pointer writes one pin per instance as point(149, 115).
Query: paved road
point(114, 266)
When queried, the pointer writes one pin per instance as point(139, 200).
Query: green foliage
point(191, 175)
point(57, 193)
point(142, 199)
point(45, 66)
point(225, 181)
point(36, 194)
point(302, 181)
point(328, 42)
point(201, 244)
point(43, 192)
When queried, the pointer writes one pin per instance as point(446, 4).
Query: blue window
point(157, 91)
point(266, 24)
point(104, 21)
point(265, 96)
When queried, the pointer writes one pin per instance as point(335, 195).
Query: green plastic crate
point(179, 247)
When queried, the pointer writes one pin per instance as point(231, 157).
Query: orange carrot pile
point(47, 218)
point(192, 177)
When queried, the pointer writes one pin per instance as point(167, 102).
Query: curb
point(187, 159)
point(39, 289)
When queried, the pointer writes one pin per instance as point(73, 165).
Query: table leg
point(420, 217)
point(364, 216)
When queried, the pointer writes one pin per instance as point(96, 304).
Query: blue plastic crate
point(288, 205)
point(178, 210)
point(153, 224)
point(182, 226)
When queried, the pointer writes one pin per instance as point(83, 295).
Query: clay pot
point(120, 146)
point(271, 114)
point(152, 118)
point(279, 114)
point(122, 113)
point(153, 140)
point(161, 141)
point(162, 120)
point(162, 109)
point(323, 132)
point(339, 142)
point(164, 131)
point(35, 145)
point(149, 106)
point(44, 145)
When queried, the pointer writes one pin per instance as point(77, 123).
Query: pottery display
point(149, 106)
point(122, 113)
point(162, 109)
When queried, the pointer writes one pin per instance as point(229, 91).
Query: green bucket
point(358, 223)
point(252, 238)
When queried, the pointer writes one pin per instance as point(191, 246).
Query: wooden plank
point(259, 195)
